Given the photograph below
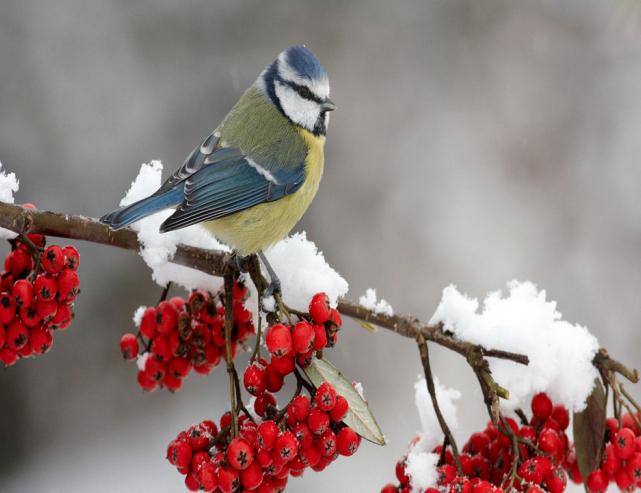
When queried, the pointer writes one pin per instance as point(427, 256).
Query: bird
point(251, 180)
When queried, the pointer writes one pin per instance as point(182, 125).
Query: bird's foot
point(274, 289)
point(240, 263)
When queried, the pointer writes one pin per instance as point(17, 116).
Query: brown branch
point(425, 359)
point(21, 220)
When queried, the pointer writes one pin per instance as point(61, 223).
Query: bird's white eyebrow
point(261, 170)
point(319, 87)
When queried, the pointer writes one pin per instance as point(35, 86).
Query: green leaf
point(367, 326)
point(359, 417)
point(589, 430)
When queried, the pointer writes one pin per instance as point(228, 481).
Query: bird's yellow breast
point(263, 225)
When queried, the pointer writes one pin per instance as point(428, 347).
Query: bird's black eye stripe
point(304, 92)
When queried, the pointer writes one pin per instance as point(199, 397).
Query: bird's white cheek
point(301, 111)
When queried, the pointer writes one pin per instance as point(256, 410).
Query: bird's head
point(297, 84)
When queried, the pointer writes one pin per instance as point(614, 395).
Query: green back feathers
point(262, 132)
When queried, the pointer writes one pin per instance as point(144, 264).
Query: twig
point(519, 412)
point(425, 359)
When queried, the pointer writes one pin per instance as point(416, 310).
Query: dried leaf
point(589, 430)
point(359, 417)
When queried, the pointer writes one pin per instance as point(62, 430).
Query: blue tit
point(251, 180)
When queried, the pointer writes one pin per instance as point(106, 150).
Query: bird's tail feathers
point(124, 216)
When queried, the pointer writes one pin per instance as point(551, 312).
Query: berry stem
point(425, 359)
point(508, 482)
point(165, 292)
point(231, 371)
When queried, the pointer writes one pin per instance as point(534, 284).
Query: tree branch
point(21, 220)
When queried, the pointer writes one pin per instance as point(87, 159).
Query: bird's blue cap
point(304, 62)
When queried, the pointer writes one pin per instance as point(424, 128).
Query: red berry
point(46, 310)
point(597, 482)
point(327, 443)
point(179, 453)
point(549, 441)
point(68, 284)
point(279, 340)
point(623, 480)
point(556, 480)
point(310, 456)
point(401, 475)
point(17, 335)
point(320, 337)
point(45, 287)
point(267, 432)
point(160, 347)
point(148, 327)
point(610, 462)
point(633, 467)
point(286, 446)
point(240, 454)
point(53, 260)
point(8, 356)
point(624, 443)
point(146, 383)
point(460, 485)
point(63, 316)
point(627, 421)
point(155, 369)
point(560, 415)
point(241, 314)
point(319, 308)
point(273, 380)
point(340, 409)
point(129, 346)
point(303, 337)
point(303, 435)
point(389, 488)
point(318, 421)
point(19, 263)
point(29, 316)
point(22, 291)
point(72, 257)
point(262, 401)
point(228, 479)
point(166, 317)
point(179, 367)
point(255, 379)
point(252, 476)
point(347, 441)
point(325, 397)
point(7, 309)
point(283, 366)
point(191, 482)
point(541, 406)
point(207, 476)
point(299, 408)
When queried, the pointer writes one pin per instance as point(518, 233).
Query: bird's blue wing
point(230, 182)
point(197, 159)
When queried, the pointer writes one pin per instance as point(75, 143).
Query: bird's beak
point(328, 105)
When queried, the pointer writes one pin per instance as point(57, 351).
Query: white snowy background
point(475, 143)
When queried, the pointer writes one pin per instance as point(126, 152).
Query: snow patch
point(137, 318)
point(369, 301)
point(525, 322)
point(9, 185)
point(421, 461)
point(159, 248)
point(303, 272)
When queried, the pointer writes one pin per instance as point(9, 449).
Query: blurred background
point(475, 142)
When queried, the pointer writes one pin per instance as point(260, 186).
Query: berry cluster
point(179, 335)
point(621, 458)
point(37, 291)
point(267, 452)
point(307, 433)
point(487, 460)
